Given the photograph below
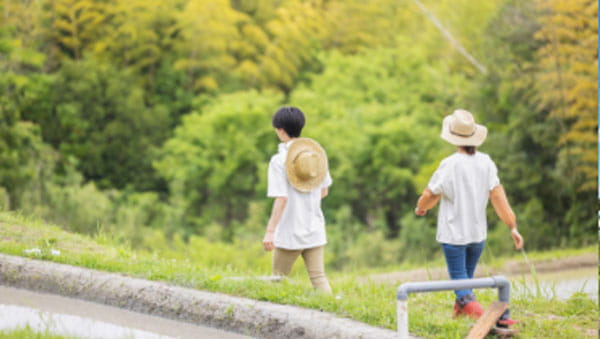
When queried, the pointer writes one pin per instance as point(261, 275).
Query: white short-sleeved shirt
point(464, 182)
point(302, 224)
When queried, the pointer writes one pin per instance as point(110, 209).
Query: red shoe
point(505, 323)
point(473, 310)
point(457, 310)
point(505, 320)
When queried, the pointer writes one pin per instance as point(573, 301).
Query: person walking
point(298, 179)
point(464, 182)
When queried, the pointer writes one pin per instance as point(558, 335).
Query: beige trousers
point(283, 260)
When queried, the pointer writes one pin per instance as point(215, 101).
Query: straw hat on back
point(460, 129)
point(306, 164)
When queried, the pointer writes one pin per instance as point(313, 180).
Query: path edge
point(235, 314)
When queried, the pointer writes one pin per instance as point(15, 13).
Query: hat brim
point(299, 145)
point(474, 140)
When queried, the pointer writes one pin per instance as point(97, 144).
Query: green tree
point(140, 36)
point(73, 27)
point(25, 20)
point(521, 140)
point(216, 161)
point(354, 26)
point(377, 114)
point(525, 138)
point(568, 86)
point(21, 148)
point(97, 114)
point(277, 41)
point(206, 29)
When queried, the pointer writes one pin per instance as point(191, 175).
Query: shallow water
point(561, 285)
point(83, 319)
point(13, 317)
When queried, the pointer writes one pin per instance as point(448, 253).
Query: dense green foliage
point(152, 118)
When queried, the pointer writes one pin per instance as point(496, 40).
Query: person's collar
point(285, 145)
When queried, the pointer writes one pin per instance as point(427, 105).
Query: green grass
point(28, 333)
point(208, 266)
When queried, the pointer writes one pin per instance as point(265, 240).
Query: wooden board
point(504, 332)
point(488, 320)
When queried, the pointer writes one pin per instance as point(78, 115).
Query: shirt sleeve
point(277, 180)
point(436, 183)
point(327, 181)
point(493, 179)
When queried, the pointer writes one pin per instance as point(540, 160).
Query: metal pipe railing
point(499, 282)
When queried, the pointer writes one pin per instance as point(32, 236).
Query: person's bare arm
point(506, 214)
point(502, 207)
point(324, 192)
point(426, 202)
point(276, 212)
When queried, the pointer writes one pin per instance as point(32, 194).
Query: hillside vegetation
point(142, 128)
point(150, 119)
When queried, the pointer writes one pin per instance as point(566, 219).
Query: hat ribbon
point(464, 135)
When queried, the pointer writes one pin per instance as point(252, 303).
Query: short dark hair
point(469, 149)
point(291, 119)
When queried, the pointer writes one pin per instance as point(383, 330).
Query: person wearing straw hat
point(465, 182)
point(298, 178)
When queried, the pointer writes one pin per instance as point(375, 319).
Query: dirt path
point(511, 268)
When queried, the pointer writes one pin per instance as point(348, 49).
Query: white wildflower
point(35, 251)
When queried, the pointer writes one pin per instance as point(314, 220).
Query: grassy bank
point(208, 266)
point(28, 333)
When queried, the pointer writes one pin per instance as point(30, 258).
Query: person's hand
point(420, 212)
point(268, 241)
point(517, 238)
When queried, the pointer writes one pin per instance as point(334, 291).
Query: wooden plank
point(504, 332)
point(487, 320)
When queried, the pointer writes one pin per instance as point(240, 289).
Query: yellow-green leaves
point(206, 29)
point(74, 25)
point(567, 83)
point(138, 34)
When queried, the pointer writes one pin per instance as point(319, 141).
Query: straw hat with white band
point(460, 129)
point(306, 164)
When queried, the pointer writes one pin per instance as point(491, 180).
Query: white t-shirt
point(465, 182)
point(302, 224)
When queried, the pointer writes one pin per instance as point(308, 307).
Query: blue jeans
point(461, 261)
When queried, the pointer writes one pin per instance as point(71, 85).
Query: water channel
point(561, 284)
point(82, 319)
point(77, 318)
point(13, 317)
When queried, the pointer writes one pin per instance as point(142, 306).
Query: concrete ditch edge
point(241, 315)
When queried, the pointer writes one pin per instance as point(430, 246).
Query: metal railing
point(499, 282)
